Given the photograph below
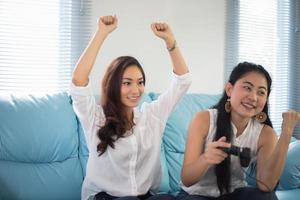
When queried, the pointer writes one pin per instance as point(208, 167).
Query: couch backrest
point(43, 152)
point(39, 148)
point(176, 132)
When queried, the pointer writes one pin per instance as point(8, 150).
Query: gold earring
point(228, 106)
point(261, 117)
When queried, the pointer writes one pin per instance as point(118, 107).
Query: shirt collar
point(234, 129)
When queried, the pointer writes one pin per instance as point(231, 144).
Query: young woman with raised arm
point(124, 141)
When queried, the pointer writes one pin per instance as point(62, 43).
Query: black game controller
point(242, 152)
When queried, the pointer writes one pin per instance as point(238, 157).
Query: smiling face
point(248, 95)
point(132, 87)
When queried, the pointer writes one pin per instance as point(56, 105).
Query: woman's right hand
point(213, 154)
point(107, 24)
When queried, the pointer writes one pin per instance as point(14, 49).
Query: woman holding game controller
point(240, 118)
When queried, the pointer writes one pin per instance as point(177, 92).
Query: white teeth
point(248, 105)
point(133, 98)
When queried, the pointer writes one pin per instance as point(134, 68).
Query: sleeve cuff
point(184, 78)
point(81, 90)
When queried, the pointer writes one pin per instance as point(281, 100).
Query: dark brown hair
point(116, 122)
point(222, 170)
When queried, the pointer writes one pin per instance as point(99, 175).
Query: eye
point(141, 82)
point(126, 83)
point(247, 88)
point(261, 93)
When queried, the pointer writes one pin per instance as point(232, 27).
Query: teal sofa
point(43, 152)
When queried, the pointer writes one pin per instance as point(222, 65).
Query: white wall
point(199, 29)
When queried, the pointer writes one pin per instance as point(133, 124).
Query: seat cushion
point(293, 194)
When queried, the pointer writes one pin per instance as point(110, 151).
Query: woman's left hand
point(290, 119)
point(163, 31)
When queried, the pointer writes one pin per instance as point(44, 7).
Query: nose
point(135, 88)
point(253, 96)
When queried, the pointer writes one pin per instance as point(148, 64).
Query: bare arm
point(163, 31)
point(86, 61)
point(272, 153)
point(197, 159)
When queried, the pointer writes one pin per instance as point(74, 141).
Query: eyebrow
point(130, 79)
point(260, 87)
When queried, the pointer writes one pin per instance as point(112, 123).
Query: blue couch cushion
point(290, 177)
point(176, 132)
point(288, 194)
point(83, 149)
point(37, 129)
point(47, 181)
point(39, 148)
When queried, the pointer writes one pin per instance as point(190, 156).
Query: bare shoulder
point(268, 135)
point(268, 131)
point(197, 133)
point(201, 117)
point(200, 123)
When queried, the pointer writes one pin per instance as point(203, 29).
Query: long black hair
point(116, 123)
point(222, 170)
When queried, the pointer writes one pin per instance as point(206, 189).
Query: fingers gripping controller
point(242, 152)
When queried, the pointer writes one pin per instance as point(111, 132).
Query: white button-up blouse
point(133, 167)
